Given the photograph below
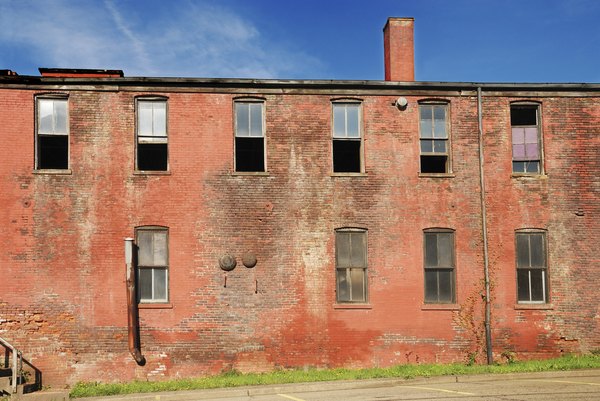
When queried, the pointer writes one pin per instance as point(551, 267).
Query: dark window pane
point(519, 167)
point(53, 152)
point(431, 250)
point(433, 164)
point(249, 154)
point(523, 250)
point(145, 284)
point(445, 249)
point(531, 167)
point(445, 286)
point(523, 284)
point(538, 258)
point(537, 284)
point(343, 292)
point(152, 156)
point(523, 115)
point(343, 249)
point(358, 254)
point(346, 156)
point(358, 285)
point(431, 285)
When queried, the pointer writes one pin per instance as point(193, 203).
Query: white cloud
point(189, 39)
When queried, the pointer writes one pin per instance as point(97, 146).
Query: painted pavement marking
point(289, 397)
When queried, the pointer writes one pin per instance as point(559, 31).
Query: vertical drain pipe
point(486, 271)
point(133, 332)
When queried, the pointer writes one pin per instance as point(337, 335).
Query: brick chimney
point(399, 50)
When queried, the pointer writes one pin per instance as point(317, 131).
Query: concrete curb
point(249, 391)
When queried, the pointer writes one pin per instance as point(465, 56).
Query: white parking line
point(565, 381)
point(289, 397)
point(439, 389)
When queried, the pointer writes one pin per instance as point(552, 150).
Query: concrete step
point(44, 396)
point(5, 372)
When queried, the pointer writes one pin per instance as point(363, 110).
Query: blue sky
point(455, 40)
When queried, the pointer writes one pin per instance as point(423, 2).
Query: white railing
point(17, 360)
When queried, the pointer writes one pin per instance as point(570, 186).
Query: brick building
point(294, 223)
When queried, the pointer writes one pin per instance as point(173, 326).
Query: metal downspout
point(132, 309)
point(486, 271)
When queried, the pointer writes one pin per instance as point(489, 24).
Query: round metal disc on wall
point(249, 260)
point(227, 262)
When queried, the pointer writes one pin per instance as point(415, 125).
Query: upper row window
point(152, 141)
point(434, 138)
point(249, 136)
point(347, 138)
point(526, 139)
point(52, 139)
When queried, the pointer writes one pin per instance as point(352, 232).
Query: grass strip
point(236, 379)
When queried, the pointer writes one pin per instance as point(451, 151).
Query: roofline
point(292, 83)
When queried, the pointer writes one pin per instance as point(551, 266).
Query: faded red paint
point(64, 300)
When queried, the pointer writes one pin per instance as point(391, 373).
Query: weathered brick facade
point(63, 300)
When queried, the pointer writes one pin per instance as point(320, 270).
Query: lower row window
point(532, 280)
point(439, 266)
point(351, 265)
point(153, 264)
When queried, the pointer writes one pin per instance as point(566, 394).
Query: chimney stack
point(399, 50)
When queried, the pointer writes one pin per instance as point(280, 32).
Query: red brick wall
point(63, 282)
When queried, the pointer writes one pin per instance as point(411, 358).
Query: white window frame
point(344, 136)
point(153, 267)
point(52, 99)
point(151, 138)
point(250, 133)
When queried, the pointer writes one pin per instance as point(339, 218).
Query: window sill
point(534, 306)
point(150, 172)
point(349, 175)
point(53, 171)
point(155, 306)
point(437, 175)
point(352, 306)
point(250, 173)
point(531, 176)
point(440, 307)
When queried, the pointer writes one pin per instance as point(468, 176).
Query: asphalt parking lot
point(547, 386)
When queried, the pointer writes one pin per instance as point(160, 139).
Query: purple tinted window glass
point(531, 135)
point(531, 149)
point(518, 135)
point(518, 152)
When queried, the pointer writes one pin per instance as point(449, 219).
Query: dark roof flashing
point(79, 73)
